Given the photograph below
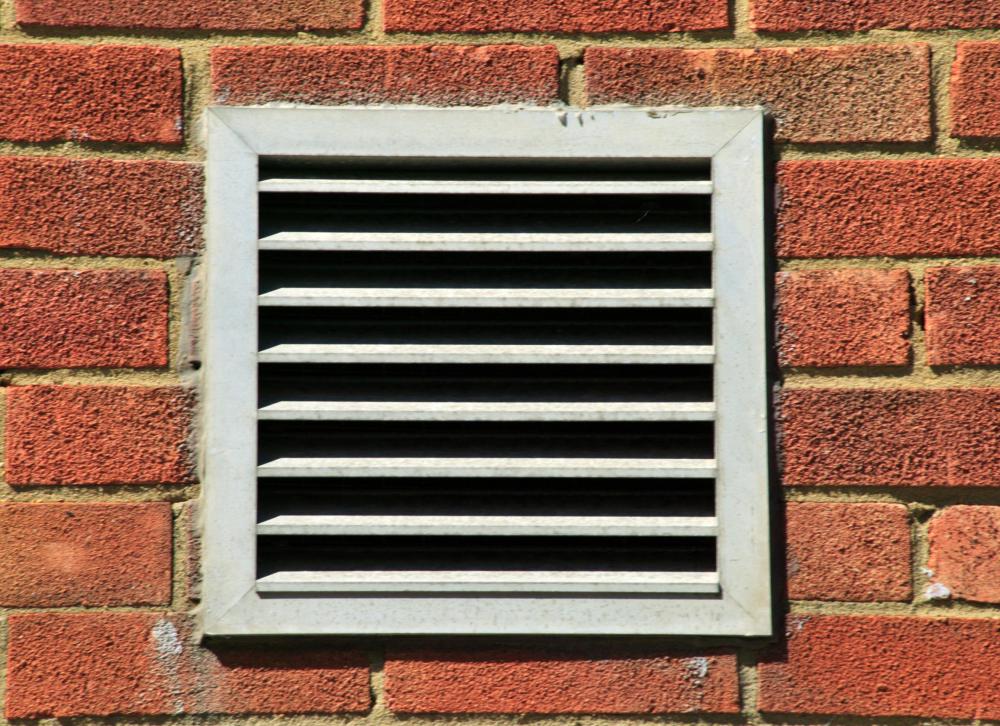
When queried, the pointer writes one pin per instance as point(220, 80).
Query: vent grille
point(486, 382)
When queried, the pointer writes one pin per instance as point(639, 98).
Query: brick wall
point(888, 319)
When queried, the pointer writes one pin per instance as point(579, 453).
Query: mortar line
point(179, 596)
point(921, 608)
point(749, 688)
point(7, 21)
point(3, 443)
point(4, 646)
point(374, 27)
point(571, 86)
point(197, 95)
point(193, 151)
point(918, 333)
point(942, 57)
point(24, 259)
point(174, 297)
point(740, 18)
point(88, 493)
point(347, 719)
point(921, 554)
point(917, 498)
point(13, 377)
point(376, 676)
point(918, 379)
point(373, 32)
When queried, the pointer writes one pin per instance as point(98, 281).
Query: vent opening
point(486, 497)
point(400, 386)
point(519, 554)
point(485, 383)
point(560, 270)
point(485, 213)
point(556, 439)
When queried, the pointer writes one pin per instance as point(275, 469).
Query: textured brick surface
point(943, 437)
point(975, 90)
point(842, 94)
point(963, 315)
point(98, 435)
point(76, 319)
point(55, 555)
point(829, 318)
point(791, 15)
point(933, 207)
point(98, 207)
point(885, 666)
point(104, 664)
point(127, 94)
point(853, 552)
point(474, 680)
point(200, 14)
point(437, 75)
point(565, 16)
point(965, 552)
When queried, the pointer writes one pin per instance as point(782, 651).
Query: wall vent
point(481, 383)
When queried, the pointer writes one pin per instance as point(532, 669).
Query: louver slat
point(489, 467)
point(491, 186)
point(484, 411)
point(488, 241)
point(407, 525)
point(486, 354)
point(486, 297)
point(370, 307)
point(705, 583)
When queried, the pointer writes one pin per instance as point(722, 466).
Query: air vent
point(498, 380)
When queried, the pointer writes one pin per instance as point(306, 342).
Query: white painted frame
point(733, 139)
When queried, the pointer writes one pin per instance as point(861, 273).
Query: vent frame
point(731, 139)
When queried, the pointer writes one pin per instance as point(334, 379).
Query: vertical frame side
point(229, 374)
point(742, 486)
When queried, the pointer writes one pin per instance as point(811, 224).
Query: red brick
point(77, 319)
point(502, 680)
point(886, 666)
point(963, 315)
point(146, 664)
point(795, 15)
point(569, 16)
point(56, 555)
point(850, 552)
point(843, 94)
point(443, 74)
point(965, 552)
point(98, 435)
point(830, 318)
point(927, 207)
point(195, 14)
point(127, 94)
point(975, 90)
point(900, 437)
point(99, 207)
